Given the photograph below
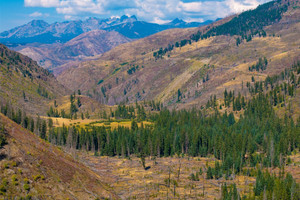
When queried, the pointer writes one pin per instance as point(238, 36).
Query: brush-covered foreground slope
point(188, 75)
point(31, 167)
point(24, 84)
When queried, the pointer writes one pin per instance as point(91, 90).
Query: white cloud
point(68, 17)
point(38, 14)
point(194, 20)
point(190, 6)
point(115, 17)
point(150, 10)
point(160, 21)
point(240, 6)
point(41, 3)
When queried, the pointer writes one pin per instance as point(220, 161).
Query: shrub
point(14, 164)
point(36, 177)
point(14, 178)
point(6, 165)
point(26, 180)
point(2, 189)
point(5, 182)
point(2, 139)
point(26, 187)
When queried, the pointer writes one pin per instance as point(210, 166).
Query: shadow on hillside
point(2, 156)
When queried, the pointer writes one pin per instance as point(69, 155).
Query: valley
point(126, 109)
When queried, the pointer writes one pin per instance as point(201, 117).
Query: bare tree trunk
point(174, 188)
point(169, 176)
point(203, 185)
point(107, 163)
point(179, 169)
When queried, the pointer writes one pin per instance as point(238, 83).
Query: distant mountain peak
point(126, 18)
point(134, 17)
point(177, 21)
point(123, 17)
point(38, 23)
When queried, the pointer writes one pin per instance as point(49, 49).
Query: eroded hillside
point(26, 85)
point(181, 70)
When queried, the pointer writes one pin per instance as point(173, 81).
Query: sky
point(18, 12)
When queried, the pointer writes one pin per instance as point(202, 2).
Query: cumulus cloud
point(41, 3)
point(150, 10)
point(239, 6)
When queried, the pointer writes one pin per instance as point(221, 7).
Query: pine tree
point(209, 173)
point(43, 130)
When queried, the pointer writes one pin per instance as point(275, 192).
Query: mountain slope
point(79, 48)
point(34, 168)
point(24, 84)
point(57, 44)
point(193, 63)
point(115, 62)
point(92, 43)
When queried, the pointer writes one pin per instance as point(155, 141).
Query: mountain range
point(80, 48)
point(55, 46)
point(39, 31)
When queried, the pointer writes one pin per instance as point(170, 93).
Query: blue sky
point(17, 12)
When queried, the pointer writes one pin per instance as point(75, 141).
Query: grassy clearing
point(113, 124)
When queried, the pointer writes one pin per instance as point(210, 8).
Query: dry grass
point(59, 122)
point(115, 125)
point(179, 81)
point(131, 181)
